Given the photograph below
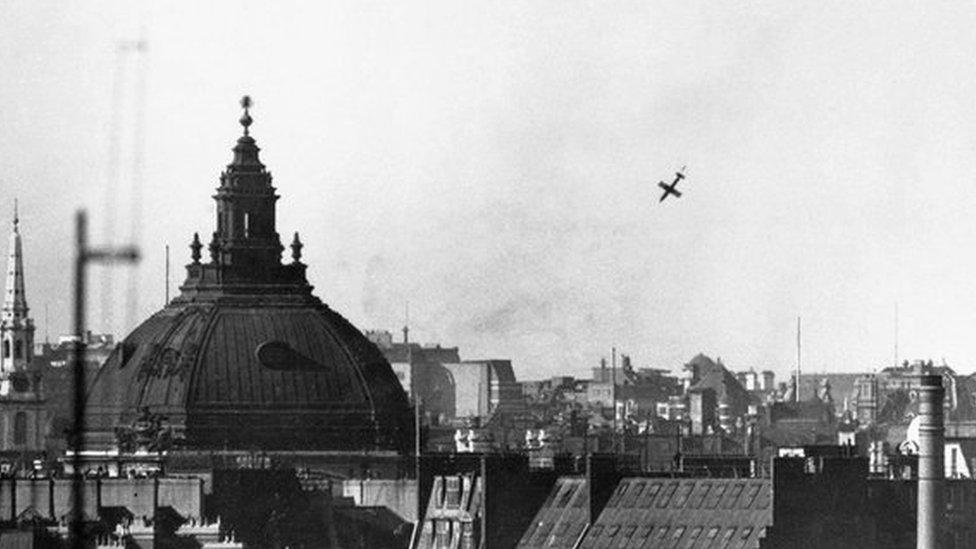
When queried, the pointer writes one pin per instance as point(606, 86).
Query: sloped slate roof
point(563, 517)
point(698, 513)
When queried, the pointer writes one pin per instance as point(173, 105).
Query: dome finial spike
point(195, 247)
point(16, 215)
point(296, 249)
point(246, 119)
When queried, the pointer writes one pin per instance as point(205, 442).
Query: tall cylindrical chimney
point(931, 464)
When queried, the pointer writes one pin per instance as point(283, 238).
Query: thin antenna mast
point(796, 394)
point(112, 177)
point(140, 47)
point(413, 385)
point(406, 325)
point(896, 334)
point(166, 302)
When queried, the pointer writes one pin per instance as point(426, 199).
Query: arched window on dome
point(20, 428)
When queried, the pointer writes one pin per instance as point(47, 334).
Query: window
point(20, 428)
point(633, 494)
point(750, 496)
point(677, 533)
point(649, 494)
point(712, 532)
point(18, 349)
point(733, 496)
point(247, 224)
point(619, 493)
point(683, 493)
point(567, 494)
point(443, 534)
point(582, 499)
point(666, 496)
point(699, 496)
point(717, 492)
point(452, 497)
point(6, 349)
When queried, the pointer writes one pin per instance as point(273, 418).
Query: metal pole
point(613, 394)
point(83, 254)
point(76, 526)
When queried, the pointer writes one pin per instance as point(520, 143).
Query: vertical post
point(76, 526)
point(416, 428)
point(613, 394)
point(76, 439)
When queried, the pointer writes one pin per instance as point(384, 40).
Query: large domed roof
point(246, 357)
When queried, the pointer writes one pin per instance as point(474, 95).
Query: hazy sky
point(495, 163)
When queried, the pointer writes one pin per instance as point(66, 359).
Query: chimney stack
point(931, 465)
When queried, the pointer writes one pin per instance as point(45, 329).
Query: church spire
point(15, 301)
point(16, 328)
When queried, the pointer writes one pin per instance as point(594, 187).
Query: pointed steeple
point(15, 300)
point(16, 328)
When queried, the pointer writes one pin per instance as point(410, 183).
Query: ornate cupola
point(245, 249)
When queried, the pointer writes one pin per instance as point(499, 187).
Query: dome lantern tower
point(246, 207)
point(245, 250)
